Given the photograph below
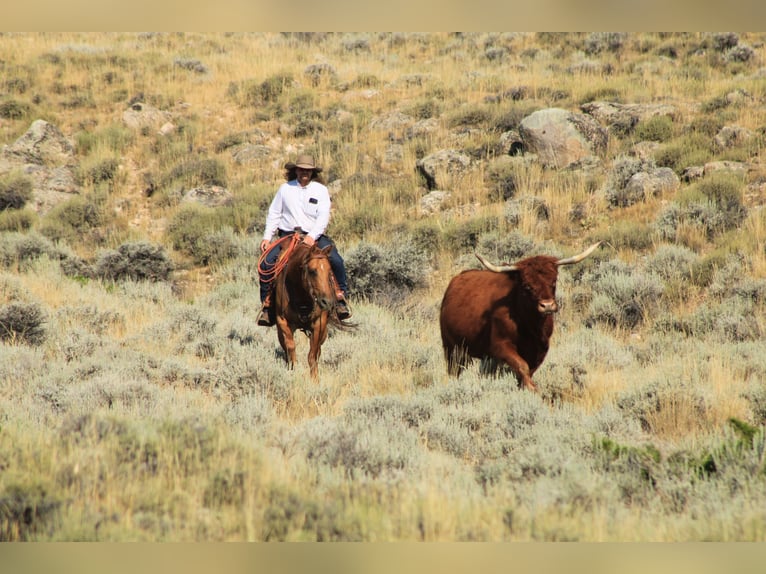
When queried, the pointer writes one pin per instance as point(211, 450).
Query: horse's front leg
point(286, 340)
point(318, 336)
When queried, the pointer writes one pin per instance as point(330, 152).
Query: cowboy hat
point(305, 162)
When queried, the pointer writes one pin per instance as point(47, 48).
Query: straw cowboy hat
point(305, 162)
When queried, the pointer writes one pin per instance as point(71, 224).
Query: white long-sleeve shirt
point(295, 206)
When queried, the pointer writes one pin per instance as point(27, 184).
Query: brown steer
point(504, 313)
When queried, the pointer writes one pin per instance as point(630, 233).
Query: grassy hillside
point(139, 400)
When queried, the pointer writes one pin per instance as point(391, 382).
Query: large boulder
point(141, 115)
point(47, 157)
point(42, 144)
point(440, 167)
point(563, 139)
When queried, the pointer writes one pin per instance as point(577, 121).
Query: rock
point(42, 144)
point(209, 196)
point(47, 157)
point(730, 136)
point(140, 115)
point(250, 153)
point(433, 201)
point(561, 138)
point(439, 166)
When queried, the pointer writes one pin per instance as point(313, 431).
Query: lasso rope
point(268, 274)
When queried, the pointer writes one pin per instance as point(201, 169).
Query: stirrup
point(342, 309)
point(265, 319)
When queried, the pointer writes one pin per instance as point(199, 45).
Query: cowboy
point(301, 205)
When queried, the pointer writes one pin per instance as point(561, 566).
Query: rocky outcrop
point(47, 157)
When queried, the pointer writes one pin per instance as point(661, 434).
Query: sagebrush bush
point(68, 221)
point(656, 128)
point(22, 248)
point(503, 180)
point(616, 189)
point(196, 172)
point(139, 260)
point(15, 190)
point(506, 247)
point(385, 274)
point(23, 323)
point(27, 510)
point(203, 234)
point(623, 299)
point(673, 262)
point(12, 109)
point(17, 219)
point(103, 170)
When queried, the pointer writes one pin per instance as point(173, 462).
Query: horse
point(304, 298)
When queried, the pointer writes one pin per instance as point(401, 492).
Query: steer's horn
point(580, 257)
point(495, 268)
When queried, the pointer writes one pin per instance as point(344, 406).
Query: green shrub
point(15, 190)
point(14, 110)
point(80, 213)
point(464, 236)
point(138, 260)
point(266, 91)
point(628, 234)
point(673, 262)
point(22, 323)
point(114, 137)
point(656, 128)
point(26, 511)
point(689, 150)
point(503, 180)
point(473, 115)
point(624, 297)
point(385, 273)
point(101, 171)
point(22, 248)
point(17, 220)
point(202, 233)
point(197, 172)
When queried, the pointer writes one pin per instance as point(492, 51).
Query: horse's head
point(317, 276)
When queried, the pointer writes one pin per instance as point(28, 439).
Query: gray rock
point(561, 138)
point(141, 115)
point(42, 144)
point(209, 196)
point(730, 136)
point(438, 167)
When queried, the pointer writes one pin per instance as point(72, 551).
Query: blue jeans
point(336, 262)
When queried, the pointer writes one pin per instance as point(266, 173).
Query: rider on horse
point(301, 205)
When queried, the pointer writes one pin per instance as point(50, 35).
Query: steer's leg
point(507, 354)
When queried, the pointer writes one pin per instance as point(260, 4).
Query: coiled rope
point(270, 272)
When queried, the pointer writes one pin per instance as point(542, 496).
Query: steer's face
point(538, 277)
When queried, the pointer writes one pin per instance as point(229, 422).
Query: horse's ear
point(326, 250)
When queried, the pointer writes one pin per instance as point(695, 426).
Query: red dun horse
point(503, 313)
point(304, 298)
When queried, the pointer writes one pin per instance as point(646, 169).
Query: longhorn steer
point(504, 313)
